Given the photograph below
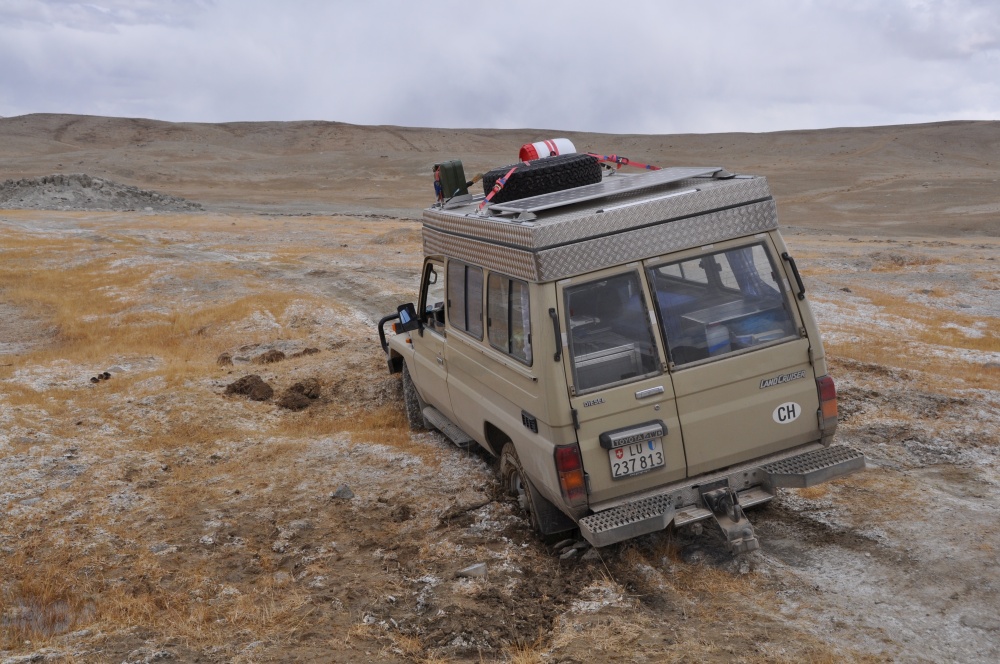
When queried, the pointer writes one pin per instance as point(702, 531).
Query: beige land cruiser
point(637, 349)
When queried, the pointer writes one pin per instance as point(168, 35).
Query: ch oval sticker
point(786, 412)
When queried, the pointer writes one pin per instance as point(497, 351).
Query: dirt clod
point(253, 387)
point(269, 357)
point(293, 400)
point(309, 387)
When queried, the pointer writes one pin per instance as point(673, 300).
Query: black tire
point(516, 484)
point(545, 518)
point(412, 403)
point(543, 176)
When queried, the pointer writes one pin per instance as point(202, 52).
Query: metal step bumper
point(641, 517)
point(815, 467)
point(686, 503)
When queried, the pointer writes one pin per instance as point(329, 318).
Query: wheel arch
point(395, 361)
point(495, 438)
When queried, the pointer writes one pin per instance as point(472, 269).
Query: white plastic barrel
point(717, 337)
point(547, 148)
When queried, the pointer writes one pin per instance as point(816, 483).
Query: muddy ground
point(151, 516)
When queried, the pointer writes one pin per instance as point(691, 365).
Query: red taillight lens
point(827, 397)
point(572, 481)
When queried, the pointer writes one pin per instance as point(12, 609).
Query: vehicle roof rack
point(610, 186)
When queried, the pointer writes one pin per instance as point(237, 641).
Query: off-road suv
point(638, 351)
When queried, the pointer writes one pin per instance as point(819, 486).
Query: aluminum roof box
point(622, 218)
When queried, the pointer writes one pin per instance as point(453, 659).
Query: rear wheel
point(412, 403)
point(516, 484)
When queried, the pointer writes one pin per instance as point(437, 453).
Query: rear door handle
point(650, 392)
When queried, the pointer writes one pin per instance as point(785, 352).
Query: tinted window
point(610, 340)
point(465, 298)
point(509, 317)
point(720, 303)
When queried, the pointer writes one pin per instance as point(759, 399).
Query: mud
point(151, 516)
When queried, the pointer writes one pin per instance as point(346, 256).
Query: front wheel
point(412, 403)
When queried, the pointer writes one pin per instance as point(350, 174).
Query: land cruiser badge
point(783, 378)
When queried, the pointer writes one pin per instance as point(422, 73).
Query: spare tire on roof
point(543, 176)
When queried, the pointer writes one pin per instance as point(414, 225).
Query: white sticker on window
point(786, 412)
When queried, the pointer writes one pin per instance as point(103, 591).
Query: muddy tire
point(543, 176)
point(545, 518)
point(516, 485)
point(412, 403)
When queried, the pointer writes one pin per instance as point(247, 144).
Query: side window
point(745, 306)
point(508, 320)
point(610, 340)
point(465, 298)
point(432, 296)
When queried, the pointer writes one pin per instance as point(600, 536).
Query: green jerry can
point(451, 177)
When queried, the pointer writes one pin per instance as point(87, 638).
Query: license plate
point(629, 460)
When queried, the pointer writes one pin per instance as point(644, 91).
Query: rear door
point(738, 353)
point(628, 431)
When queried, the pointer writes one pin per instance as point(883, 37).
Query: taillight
point(572, 481)
point(827, 397)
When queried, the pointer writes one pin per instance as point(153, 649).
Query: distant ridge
point(939, 177)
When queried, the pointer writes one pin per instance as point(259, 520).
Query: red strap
point(497, 186)
point(622, 161)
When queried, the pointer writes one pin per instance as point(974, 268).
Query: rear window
point(721, 303)
point(610, 340)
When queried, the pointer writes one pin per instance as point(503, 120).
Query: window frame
point(466, 269)
point(430, 323)
point(506, 287)
point(715, 282)
point(636, 272)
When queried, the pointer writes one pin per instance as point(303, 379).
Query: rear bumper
point(754, 483)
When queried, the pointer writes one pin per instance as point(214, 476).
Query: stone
point(472, 571)
point(563, 544)
point(224, 360)
point(343, 492)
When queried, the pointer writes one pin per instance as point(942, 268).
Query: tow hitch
point(724, 504)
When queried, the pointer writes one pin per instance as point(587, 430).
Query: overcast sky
point(611, 66)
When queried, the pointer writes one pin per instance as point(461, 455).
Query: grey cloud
point(99, 15)
point(656, 67)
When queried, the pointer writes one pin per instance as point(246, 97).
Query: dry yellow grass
point(908, 348)
point(100, 309)
point(107, 309)
point(935, 322)
point(814, 492)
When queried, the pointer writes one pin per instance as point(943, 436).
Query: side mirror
point(408, 317)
